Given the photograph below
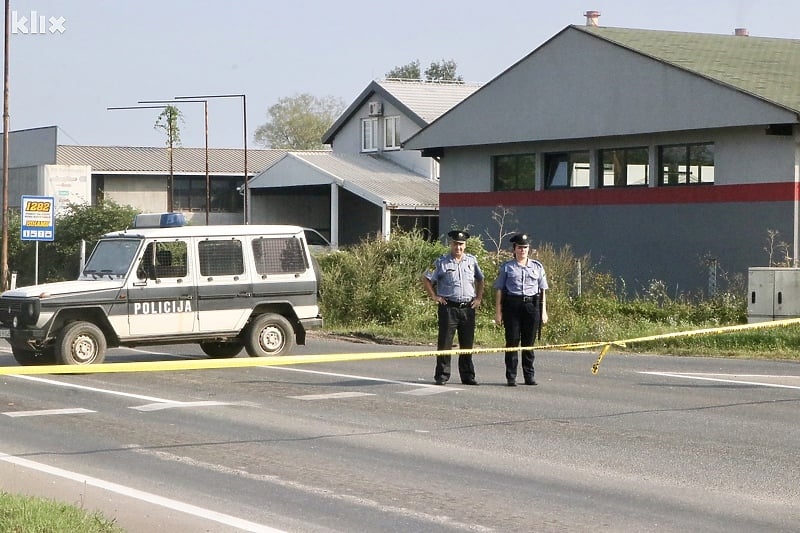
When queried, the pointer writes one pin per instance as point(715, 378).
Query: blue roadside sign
point(38, 218)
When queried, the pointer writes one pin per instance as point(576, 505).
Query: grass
point(24, 514)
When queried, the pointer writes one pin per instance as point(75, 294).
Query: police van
point(224, 287)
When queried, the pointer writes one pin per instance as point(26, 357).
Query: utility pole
point(6, 127)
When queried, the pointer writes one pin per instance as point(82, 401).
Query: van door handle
point(244, 294)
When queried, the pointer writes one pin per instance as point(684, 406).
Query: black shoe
point(530, 382)
point(512, 383)
point(469, 382)
point(440, 382)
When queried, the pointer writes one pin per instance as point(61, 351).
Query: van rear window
point(220, 257)
point(279, 255)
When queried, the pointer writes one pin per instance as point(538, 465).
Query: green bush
point(375, 288)
point(60, 259)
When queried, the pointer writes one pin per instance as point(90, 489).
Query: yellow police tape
point(199, 364)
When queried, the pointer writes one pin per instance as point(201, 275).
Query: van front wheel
point(80, 343)
point(269, 334)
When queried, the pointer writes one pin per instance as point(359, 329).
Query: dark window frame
point(514, 172)
point(621, 177)
point(673, 157)
point(561, 166)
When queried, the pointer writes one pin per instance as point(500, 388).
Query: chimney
point(741, 32)
point(592, 18)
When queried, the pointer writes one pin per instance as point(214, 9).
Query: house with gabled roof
point(366, 184)
point(666, 156)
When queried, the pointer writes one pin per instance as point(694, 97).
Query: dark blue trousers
point(454, 320)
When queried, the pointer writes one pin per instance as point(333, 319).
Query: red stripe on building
point(688, 194)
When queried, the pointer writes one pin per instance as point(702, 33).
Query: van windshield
point(111, 258)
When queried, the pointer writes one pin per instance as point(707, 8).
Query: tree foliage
point(299, 122)
point(60, 259)
point(406, 72)
point(169, 122)
point(444, 70)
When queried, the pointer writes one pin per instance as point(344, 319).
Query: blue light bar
point(159, 220)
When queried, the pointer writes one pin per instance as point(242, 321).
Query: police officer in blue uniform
point(455, 282)
point(520, 305)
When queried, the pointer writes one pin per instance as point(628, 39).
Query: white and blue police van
point(162, 282)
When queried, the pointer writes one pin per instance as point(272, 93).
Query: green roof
point(767, 68)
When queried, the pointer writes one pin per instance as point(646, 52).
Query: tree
point(299, 122)
point(444, 70)
point(406, 72)
point(167, 122)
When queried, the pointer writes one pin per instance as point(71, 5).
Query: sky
point(94, 54)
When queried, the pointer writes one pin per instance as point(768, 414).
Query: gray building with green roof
point(663, 155)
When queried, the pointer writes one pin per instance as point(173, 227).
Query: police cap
point(521, 239)
point(458, 236)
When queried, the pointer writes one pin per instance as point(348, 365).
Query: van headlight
point(28, 313)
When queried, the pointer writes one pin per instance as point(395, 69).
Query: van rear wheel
point(80, 343)
point(269, 334)
point(221, 350)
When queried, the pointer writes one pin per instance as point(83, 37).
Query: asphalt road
point(651, 443)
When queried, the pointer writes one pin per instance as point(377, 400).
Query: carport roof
point(147, 159)
point(375, 179)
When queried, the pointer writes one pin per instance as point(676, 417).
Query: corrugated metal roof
point(428, 100)
point(422, 101)
point(765, 67)
point(155, 160)
point(371, 177)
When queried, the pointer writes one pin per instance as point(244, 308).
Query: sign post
point(38, 223)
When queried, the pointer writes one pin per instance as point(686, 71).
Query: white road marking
point(149, 497)
point(320, 492)
point(46, 412)
point(422, 391)
point(173, 405)
point(94, 389)
point(722, 379)
point(331, 396)
point(429, 391)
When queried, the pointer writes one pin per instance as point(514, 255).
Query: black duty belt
point(521, 298)
point(461, 305)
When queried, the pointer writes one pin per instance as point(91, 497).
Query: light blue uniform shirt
point(519, 280)
point(455, 280)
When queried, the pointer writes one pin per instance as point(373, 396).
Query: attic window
point(391, 137)
point(369, 135)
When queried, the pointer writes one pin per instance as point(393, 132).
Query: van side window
point(220, 257)
point(282, 255)
point(170, 261)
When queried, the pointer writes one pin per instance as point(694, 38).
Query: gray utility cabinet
point(773, 293)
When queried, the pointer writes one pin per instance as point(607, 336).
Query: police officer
point(520, 305)
point(455, 282)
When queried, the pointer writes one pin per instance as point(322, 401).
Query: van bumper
point(312, 323)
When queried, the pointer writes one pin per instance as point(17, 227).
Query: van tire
point(80, 343)
point(221, 350)
point(269, 334)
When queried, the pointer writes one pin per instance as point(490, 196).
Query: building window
point(369, 135)
point(391, 137)
point(624, 167)
point(514, 172)
point(189, 194)
point(566, 170)
point(688, 164)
